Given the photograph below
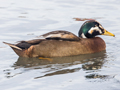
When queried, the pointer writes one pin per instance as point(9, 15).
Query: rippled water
point(27, 19)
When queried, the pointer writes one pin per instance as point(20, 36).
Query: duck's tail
point(12, 46)
point(19, 51)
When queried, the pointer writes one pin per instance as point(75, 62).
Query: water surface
point(27, 19)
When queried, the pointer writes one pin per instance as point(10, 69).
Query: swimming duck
point(64, 43)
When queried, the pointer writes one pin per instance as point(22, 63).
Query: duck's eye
point(95, 29)
point(96, 26)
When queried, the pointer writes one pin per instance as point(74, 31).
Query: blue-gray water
point(27, 19)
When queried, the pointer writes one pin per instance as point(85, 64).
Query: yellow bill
point(108, 33)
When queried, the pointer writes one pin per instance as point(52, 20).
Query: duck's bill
point(108, 33)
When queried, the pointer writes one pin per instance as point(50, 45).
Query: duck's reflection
point(90, 60)
point(63, 65)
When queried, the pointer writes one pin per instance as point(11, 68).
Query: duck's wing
point(60, 35)
point(21, 45)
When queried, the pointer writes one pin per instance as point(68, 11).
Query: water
point(27, 19)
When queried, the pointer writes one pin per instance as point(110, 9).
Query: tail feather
point(12, 45)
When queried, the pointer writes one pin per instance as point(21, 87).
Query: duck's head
point(92, 28)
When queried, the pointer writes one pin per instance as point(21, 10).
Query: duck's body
point(60, 48)
point(59, 44)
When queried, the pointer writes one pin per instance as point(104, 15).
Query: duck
point(62, 43)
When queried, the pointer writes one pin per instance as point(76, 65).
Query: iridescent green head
point(92, 28)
